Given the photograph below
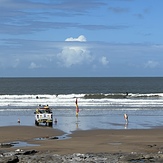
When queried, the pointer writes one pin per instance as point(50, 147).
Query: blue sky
point(81, 38)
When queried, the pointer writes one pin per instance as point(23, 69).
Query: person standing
point(126, 118)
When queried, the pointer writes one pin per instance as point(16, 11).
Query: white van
point(44, 114)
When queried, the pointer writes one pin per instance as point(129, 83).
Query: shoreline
point(85, 141)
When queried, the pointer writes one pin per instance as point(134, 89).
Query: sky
point(81, 38)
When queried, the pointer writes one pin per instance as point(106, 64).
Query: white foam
point(68, 101)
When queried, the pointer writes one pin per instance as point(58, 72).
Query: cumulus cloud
point(81, 38)
point(151, 64)
point(104, 61)
point(74, 54)
point(33, 65)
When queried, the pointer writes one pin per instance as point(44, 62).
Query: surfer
point(126, 118)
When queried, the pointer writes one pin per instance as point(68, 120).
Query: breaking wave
point(87, 101)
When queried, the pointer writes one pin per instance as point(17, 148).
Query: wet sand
point(91, 141)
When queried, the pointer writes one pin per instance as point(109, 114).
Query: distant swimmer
point(126, 118)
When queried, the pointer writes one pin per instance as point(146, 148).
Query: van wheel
point(50, 124)
point(36, 123)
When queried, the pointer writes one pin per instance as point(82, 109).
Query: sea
point(102, 102)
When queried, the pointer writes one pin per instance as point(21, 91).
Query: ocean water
point(102, 102)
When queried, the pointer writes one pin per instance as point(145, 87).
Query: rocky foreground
point(33, 156)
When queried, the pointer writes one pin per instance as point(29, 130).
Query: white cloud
point(151, 64)
point(81, 38)
point(74, 54)
point(33, 65)
point(104, 61)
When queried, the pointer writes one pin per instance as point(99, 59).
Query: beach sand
point(91, 141)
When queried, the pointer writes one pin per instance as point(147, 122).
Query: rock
point(29, 152)
point(32, 156)
point(10, 159)
point(141, 158)
point(55, 137)
point(6, 145)
point(21, 152)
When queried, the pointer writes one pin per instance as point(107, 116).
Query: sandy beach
point(91, 141)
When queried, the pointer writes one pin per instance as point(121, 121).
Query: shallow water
point(102, 102)
point(94, 119)
point(17, 144)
